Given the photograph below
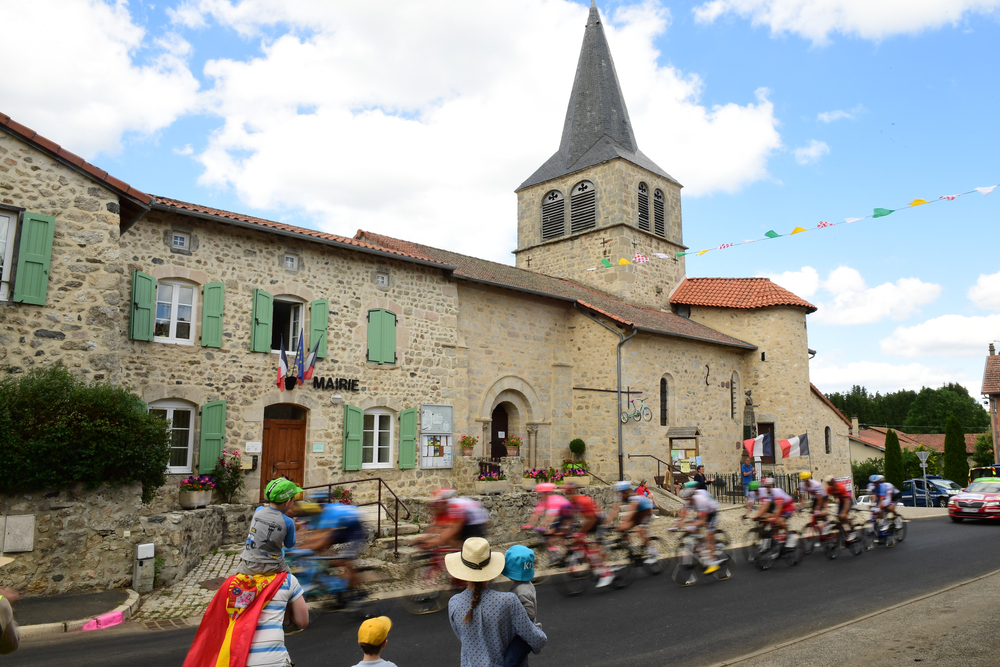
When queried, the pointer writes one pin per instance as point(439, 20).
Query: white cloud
point(408, 122)
point(986, 292)
point(816, 19)
point(802, 283)
point(811, 153)
point(945, 336)
point(840, 114)
point(884, 377)
point(856, 303)
point(74, 74)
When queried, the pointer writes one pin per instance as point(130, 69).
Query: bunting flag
point(759, 446)
point(282, 366)
point(797, 446)
point(639, 259)
point(823, 224)
point(300, 359)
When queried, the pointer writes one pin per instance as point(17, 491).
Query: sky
point(418, 120)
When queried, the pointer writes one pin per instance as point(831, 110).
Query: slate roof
point(72, 160)
point(828, 403)
point(509, 277)
point(736, 293)
point(991, 375)
point(597, 126)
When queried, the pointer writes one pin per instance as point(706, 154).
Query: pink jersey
point(553, 505)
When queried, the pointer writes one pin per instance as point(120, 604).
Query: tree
point(932, 407)
point(911, 462)
point(893, 460)
point(863, 470)
point(956, 462)
point(983, 456)
point(874, 409)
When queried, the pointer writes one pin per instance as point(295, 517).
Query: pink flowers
point(196, 483)
point(493, 476)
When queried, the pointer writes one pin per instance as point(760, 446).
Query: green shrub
point(862, 470)
point(56, 429)
point(893, 459)
point(577, 446)
point(956, 462)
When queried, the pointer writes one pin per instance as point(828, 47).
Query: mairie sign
point(336, 384)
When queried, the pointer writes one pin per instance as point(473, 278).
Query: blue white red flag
point(760, 446)
point(282, 366)
point(311, 359)
point(300, 359)
point(797, 446)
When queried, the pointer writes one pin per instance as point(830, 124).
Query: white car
point(865, 502)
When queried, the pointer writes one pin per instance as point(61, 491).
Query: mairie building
point(187, 306)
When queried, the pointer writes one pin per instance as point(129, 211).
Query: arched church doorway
point(284, 446)
point(499, 423)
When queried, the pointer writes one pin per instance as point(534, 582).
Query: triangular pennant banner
point(702, 252)
point(986, 191)
point(881, 212)
point(679, 254)
point(949, 197)
point(850, 220)
point(606, 262)
point(918, 202)
point(798, 230)
point(660, 255)
point(623, 262)
point(772, 234)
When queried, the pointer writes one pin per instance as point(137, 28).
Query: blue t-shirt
point(747, 471)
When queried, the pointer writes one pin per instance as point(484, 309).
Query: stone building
point(188, 307)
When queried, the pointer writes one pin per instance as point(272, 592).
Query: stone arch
point(274, 396)
point(294, 290)
point(168, 271)
point(387, 402)
point(516, 391)
point(161, 392)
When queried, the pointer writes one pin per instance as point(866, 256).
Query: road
point(653, 622)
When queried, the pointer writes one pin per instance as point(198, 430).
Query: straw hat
point(475, 562)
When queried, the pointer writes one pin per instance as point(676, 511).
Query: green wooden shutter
point(33, 256)
point(408, 439)
point(212, 298)
point(375, 335)
point(318, 315)
point(354, 420)
point(260, 323)
point(213, 435)
point(388, 337)
point(141, 323)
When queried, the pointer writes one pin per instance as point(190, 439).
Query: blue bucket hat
point(519, 563)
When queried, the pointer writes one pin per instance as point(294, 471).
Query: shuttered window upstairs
point(31, 282)
point(659, 222)
point(583, 207)
point(319, 312)
point(643, 202)
point(141, 323)
point(382, 336)
point(553, 215)
point(212, 297)
point(260, 321)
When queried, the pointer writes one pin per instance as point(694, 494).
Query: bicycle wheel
point(647, 414)
point(890, 539)
point(793, 550)
point(578, 573)
point(546, 561)
point(685, 569)
point(725, 570)
point(834, 542)
point(809, 538)
point(655, 547)
point(431, 580)
point(868, 537)
point(900, 529)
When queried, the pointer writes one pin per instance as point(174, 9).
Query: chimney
point(855, 431)
point(992, 350)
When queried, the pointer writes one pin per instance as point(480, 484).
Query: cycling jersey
point(703, 502)
point(642, 503)
point(812, 488)
point(838, 490)
point(336, 516)
point(553, 505)
point(585, 506)
point(468, 511)
point(884, 492)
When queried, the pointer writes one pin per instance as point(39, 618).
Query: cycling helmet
point(621, 486)
point(875, 479)
point(767, 482)
point(545, 487)
point(686, 493)
point(754, 485)
point(281, 490)
point(829, 479)
point(691, 484)
point(805, 474)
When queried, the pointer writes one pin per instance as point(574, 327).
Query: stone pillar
point(532, 459)
point(485, 439)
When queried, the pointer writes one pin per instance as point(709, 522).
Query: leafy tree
point(874, 409)
point(893, 460)
point(862, 470)
point(983, 456)
point(911, 463)
point(932, 407)
point(956, 462)
point(56, 429)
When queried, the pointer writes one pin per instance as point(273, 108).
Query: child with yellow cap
point(372, 637)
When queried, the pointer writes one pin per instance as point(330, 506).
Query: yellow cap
point(805, 475)
point(374, 631)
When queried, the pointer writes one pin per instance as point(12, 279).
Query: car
point(980, 500)
point(937, 494)
point(984, 471)
point(865, 502)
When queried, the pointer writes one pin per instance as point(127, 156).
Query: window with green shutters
point(319, 312)
point(213, 435)
point(260, 322)
point(382, 336)
point(31, 280)
point(408, 439)
point(353, 427)
point(212, 299)
point(141, 323)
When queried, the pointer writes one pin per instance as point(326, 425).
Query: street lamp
point(923, 464)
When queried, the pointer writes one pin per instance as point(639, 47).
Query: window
point(659, 223)
point(829, 440)
point(733, 395)
point(643, 207)
point(8, 232)
point(663, 401)
point(291, 263)
point(175, 311)
point(381, 336)
point(382, 279)
point(376, 439)
point(583, 207)
point(180, 241)
point(553, 215)
point(180, 416)
point(287, 325)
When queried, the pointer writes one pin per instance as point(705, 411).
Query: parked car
point(865, 502)
point(937, 494)
point(981, 500)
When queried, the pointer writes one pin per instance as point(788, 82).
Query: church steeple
point(597, 126)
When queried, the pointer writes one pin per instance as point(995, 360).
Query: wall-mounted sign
point(254, 447)
point(336, 384)
point(436, 424)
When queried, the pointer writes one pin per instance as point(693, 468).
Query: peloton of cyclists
point(456, 519)
point(635, 511)
point(837, 490)
point(551, 516)
point(885, 497)
point(775, 506)
point(701, 511)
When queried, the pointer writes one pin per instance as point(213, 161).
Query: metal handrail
point(670, 466)
point(378, 519)
point(598, 478)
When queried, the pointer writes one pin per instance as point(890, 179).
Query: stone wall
point(84, 540)
point(82, 320)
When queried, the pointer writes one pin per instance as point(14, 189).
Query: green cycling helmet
point(754, 485)
point(281, 489)
point(691, 485)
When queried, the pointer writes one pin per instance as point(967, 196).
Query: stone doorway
point(284, 445)
point(499, 424)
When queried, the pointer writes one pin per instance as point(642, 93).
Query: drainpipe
point(622, 340)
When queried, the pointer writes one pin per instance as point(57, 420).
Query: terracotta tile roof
point(991, 375)
point(736, 293)
point(502, 275)
point(168, 204)
point(935, 441)
point(866, 442)
point(71, 159)
point(829, 404)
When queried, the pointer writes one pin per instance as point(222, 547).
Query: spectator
point(520, 569)
point(10, 638)
point(484, 620)
point(372, 638)
point(270, 530)
point(699, 476)
point(746, 473)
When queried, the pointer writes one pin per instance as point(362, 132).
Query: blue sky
point(394, 116)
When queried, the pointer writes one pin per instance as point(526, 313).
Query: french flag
point(282, 366)
point(311, 360)
point(760, 446)
point(797, 446)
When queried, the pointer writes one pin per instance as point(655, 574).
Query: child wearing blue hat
point(519, 567)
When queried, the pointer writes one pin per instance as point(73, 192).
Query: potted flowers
point(195, 491)
point(513, 444)
point(534, 476)
point(467, 442)
point(577, 470)
point(494, 481)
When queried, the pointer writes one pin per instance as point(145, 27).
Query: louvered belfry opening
point(553, 215)
point(583, 207)
point(643, 207)
point(659, 223)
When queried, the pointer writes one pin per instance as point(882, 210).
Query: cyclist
point(810, 488)
point(551, 515)
point(337, 523)
point(776, 505)
point(635, 512)
point(590, 520)
point(835, 489)
point(455, 520)
point(884, 493)
point(701, 511)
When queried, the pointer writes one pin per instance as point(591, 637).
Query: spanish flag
point(226, 631)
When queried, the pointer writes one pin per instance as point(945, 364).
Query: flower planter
point(529, 483)
point(513, 451)
point(484, 487)
point(579, 480)
point(467, 451)
point(190, 500)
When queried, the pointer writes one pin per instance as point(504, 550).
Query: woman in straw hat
point(484, 620)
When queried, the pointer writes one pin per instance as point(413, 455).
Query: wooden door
point(284, 450)
point(761, 430)
point(498, 427)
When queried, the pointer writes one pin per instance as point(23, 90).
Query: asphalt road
point(654, 622)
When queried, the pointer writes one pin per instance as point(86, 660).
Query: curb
point(116, 616)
